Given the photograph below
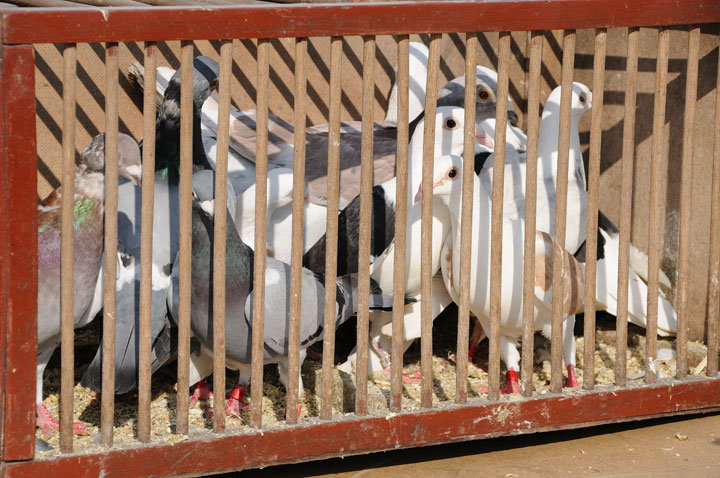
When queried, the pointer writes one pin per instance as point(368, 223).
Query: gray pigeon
point(165, 237)
point(453, 94)
point(88, 230)
point(239, 297)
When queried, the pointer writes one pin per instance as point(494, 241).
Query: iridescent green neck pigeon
point(88, 214)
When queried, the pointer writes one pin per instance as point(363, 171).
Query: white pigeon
point(449, 139)
point(447, 186)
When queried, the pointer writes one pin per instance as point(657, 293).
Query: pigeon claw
point(512, 384)
point(411, 378)
point(234, 402)
point(48, 424)
point(571, 379)
point(202, 391)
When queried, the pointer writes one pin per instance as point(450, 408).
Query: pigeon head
point(581, 100)
point(129, 161)
point(447, 178)
point(453, 94)
point(205, 78)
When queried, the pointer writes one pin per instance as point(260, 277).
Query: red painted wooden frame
point(363, 435)
point(306, 20)
point(18, 233)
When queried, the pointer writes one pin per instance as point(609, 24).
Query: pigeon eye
point(484, 95)
point(583, 99)
point(450, 123)
point(452, 172)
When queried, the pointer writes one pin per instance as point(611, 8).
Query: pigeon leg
point(512, 384)
point(47, 423)
point(571, 379)
point(407, 378)
point(569, 350)
point(478, 334)
point(234, 402)
point(314, 355)
point(202, 391)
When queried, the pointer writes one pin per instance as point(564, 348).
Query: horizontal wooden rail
point(366, 434)
point(40, 25)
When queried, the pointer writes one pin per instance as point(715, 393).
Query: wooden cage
point(325, 432)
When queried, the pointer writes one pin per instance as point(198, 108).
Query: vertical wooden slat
point(471, 43)
point(19, 251)
point(331, 233)
point(146, 246)
point(66, 258)
point(556, 378)
point(686, 200)
point(220, 228)
point(401, 170)
point(107, 407)
point(291, 408)
point(592, 208)
point(626, 184)
point(366, 183)
point(185, 224)
point(657, 172)
point(533, 122)
point(426, 221)
point(497, 216)
point(261, 168)
point(713, 307)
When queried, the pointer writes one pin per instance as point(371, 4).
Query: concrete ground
point(680, 446)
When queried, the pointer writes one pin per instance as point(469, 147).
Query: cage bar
point(185, 224)
point(628, 158)
point(568, 66)
point(593, 186)
point(497, 216)
point(107, 399)
point(261, 169)
point(426, 221)
point(401, 172)
point(220, 230)
point(657, 188)
point(533, 129)
point(366, 183)
point(331, 233)
point(713, 306)
point(67, 276)
point(146, 256)
point(461, 355)
point(686, 200)
point(298, 201)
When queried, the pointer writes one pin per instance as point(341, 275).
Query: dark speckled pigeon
point(88, 213)
point(239, 298)
point(165, 237)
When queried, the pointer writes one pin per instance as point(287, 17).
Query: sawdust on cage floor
point(87, 403)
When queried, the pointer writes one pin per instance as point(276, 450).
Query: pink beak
point(481, 137)
point(418, 196)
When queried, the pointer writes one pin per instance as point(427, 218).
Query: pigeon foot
point(413, 378)
point(571, 379)
point(311, 354)
point(202, 391)
point(512, 384)
point(234, 402)
point(48, 424)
